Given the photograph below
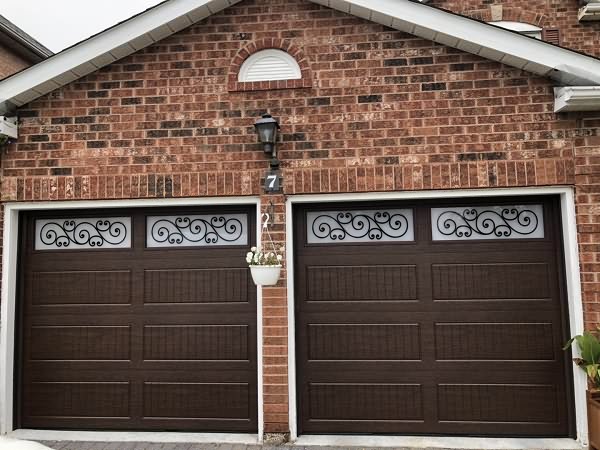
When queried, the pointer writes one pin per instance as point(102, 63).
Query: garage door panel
point(534, 403)
point(77, 399)
point(490, 281)
point(196, 342)
point(196, 400)
point(372, 402)
point(222, 285)
point(81, 287)
point(90, 343)
point(478, 325)
point(494, 341)
point(361, 283)
point(364, 342)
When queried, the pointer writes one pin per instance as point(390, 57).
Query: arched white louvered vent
point(267, 65)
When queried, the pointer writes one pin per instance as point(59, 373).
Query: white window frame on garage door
point(8, 315)
point(569, 233)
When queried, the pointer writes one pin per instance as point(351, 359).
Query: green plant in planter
point(589, 361)
point(4, 140)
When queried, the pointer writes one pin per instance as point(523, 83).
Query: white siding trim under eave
point(511, 48)
point(104, 48)
point(577, 98)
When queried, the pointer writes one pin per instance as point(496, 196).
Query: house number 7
point(272, 182)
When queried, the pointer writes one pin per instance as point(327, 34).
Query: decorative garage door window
point(83, 233)
point(197, 230)
point(377, 225)
point(488, 222)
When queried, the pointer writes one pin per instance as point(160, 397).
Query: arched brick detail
point(510, 14)
point(263, 44)
point(521, 15)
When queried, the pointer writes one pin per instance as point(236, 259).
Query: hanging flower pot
point(264, 266)
point(265, 275)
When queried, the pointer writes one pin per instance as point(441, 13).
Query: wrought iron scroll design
point(362, 226)
point(491, 222)
point(83, 233)
point(196, 230)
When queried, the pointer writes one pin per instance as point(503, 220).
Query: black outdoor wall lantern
point(267, 133)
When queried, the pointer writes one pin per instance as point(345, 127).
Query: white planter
point(265, 275)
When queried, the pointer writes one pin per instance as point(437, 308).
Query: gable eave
point(568, 67)
point(104, 48)
point(491, 42)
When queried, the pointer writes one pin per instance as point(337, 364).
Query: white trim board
point(462, 443)
point(572, 275)
point(489, 41)
point(124, 436)
point(9, 282)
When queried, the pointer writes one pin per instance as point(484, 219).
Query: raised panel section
point(79, 343)
point(372, 402)
point(361, 283)
point(196, 342)
point(81, 287)
point(516, 403)
point(490, 281)
point(494, 341)
point(83, 233)
point(226, 285)
point(196, 400)
point(364, 342)
point(85, 400)
point(327, 227)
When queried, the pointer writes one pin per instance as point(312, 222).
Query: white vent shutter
point(268, 65)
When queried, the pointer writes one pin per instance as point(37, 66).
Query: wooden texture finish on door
point(139, 338)
point(432, 337)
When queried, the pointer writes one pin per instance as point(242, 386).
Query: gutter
point(576, 98)
point(23, 42)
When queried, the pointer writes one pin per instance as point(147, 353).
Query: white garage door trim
point(8, 299)
point(567, 203)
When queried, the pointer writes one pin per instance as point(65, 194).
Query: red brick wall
point(10, 62)
point(561, 14)
point(386, 111)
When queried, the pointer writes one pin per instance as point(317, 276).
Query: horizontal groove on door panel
point(196, 342)
point(80, 343)
point(84, 287)
point(362, 283)
point(361, 342)
point(222, 285)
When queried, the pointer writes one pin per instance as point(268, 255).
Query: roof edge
point(566, 66)
point(577, 98)
point(29, 45)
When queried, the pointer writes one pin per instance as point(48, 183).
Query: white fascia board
point(96, 51)
point(487, 40)
point(577, 98)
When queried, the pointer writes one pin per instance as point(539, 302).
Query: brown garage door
point(138, 320)
point(432, 318)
